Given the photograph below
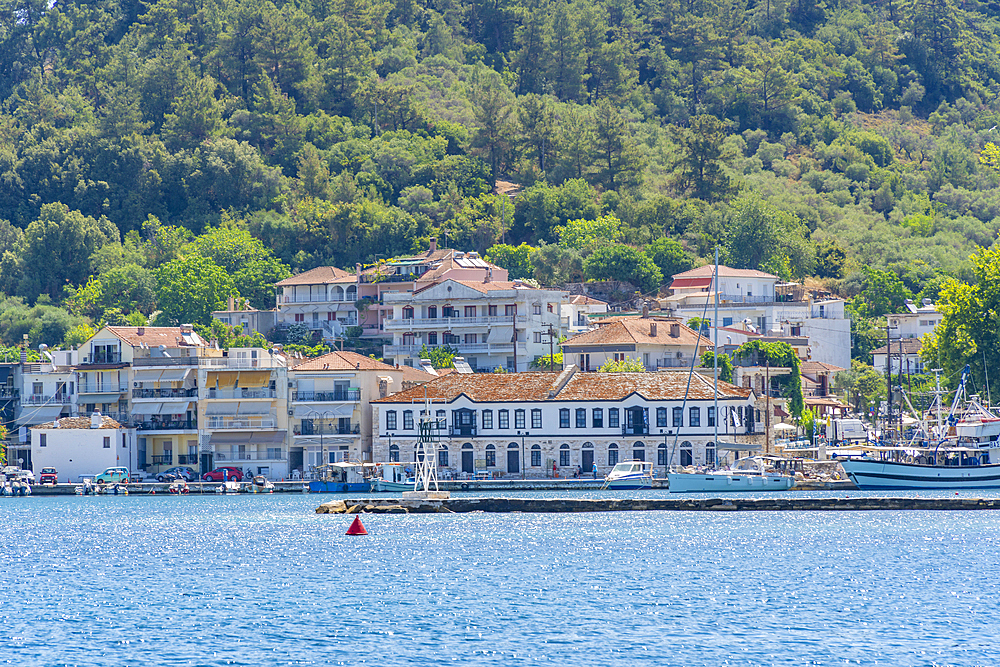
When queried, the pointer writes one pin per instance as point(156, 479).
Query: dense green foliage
point(780, 355)
point(836, 140)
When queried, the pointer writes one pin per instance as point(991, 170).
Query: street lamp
point(523, 435)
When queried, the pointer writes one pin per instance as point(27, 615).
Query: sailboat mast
point(715, 349)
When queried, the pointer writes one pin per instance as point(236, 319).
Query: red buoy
point(357, 528)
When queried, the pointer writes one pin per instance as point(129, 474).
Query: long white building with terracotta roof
point(533, 423)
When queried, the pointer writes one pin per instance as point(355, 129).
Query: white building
point(322, 299)
point(46, 390)
point(768, 305)
point(903, 353)
point(492, 324)
point(77, 446)
point(916, 321)
point(535, 424)
point(658, 342)
point(579, 309)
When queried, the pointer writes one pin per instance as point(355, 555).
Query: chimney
point(652, 329)
point(675, 330)
point(232, 306)
point(96, 420)
point(141, 331)
point(434, 244)
point(645, 309)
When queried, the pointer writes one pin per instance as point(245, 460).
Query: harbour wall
point(569, 505)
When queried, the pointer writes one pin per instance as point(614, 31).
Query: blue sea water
point(262, 580)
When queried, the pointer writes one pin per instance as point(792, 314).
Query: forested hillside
point(142, 144)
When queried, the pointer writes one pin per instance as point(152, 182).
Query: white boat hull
point(727, 482)
point(629, 483)
point(887, 475)
point(383, 486)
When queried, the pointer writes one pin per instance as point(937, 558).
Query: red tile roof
point(910, 346)
point(156, 336)
point(724, 272)
point(321, 275)
point(80, 423)
point(343, 361)
point(632, 330)
point(535, 386)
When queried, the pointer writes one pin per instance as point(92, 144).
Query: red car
point(48, 476)
point(223, 473)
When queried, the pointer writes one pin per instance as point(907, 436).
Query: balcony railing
point(103, 359)
point(239, 363)
point(318, 298)
point(454, 321)
point(641, 429)
point(464, 431)
point(39, 399)
point(164, 393)
point(139, 362)
point(250, 456)
point(166, 425)
point(240, 423)
point(166, 459)
point(349, 395)
point(672, 362)
point(94, 388)
point(390, 278)
point(187, 459)
point(327, 429)
point(463, 348)
point(242, 392)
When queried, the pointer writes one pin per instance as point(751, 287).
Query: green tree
point(617, 152)
point(760, 236)
point(700, 162)
point(516, 259)
point(781, 355)
point(492, 108)
point(440, 357)
point(669, 256)
point(863, 386)
point(883, 293)
point(555, 265)
point(547, 363)
point(253, 268)
point(190, 288)
point(626, 365)
point(581, 234)
point(725, 365)
point(617, 261)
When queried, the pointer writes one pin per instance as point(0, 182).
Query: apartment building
point(505, 324)
point(916, 320)
point(538, 424)
point(322, 299)
point(658, 342)
point(767, 305)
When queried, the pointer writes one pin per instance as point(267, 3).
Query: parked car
point(223, 473)
point(113, 476)
point(182, 472)
point(48, 476)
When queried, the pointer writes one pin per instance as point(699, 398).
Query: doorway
point(468, 462)
point(587, 460)
point(513, 460)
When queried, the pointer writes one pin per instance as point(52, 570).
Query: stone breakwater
point(553, 505)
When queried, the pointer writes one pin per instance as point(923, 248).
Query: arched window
point(687, 453)
point(467, 445)
point(612, 454)
point(408, 313)
point(442, 456)
point(638, 451)
point(491, 456)
point(661, 454)
point(394, 453)
point(536, 456)
point(710, 453)
point(564, 456)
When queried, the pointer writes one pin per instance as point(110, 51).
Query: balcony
point(464, 431)
point(350, 395)
point(166, 425)
point(242, 392)
point(102, 359)
point(221, 422)
point(139, 362)
point(39, 399)
point(94, 388)
point(240, 363)
point(165, 460)
point(673, 362)
point(463, 348)
point(250, 456)
point(389, 278)
point(640, 429)
point(187, 460)
point(318, 298)
point(451, 322)
point(164, 393)
point(327, 429)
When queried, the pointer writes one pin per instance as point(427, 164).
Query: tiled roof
point(480, 286)
point(535, 386)
point(708, 271)
point(632, 330)
point(343, 361)
point(910, 346)
point(321, 275)
point(584, 300)
point(80, 422)
point(156, 336)
point(818, 367)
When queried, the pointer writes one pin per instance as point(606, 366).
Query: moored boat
point(391, 477)
point(629, 475)
point(749, 474)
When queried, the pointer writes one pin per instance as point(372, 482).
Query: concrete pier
point(564, 505)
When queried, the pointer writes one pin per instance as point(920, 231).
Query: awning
point(147, 375)
point(230, 439)
point(690, 282)
point(46, 413)
point(256, 408)
point(267, 438)
point(98, 398)
point(254, 378)
point(310, 412)
point(147, 408)
point(172, 401)
point(501, 334)
point(736, 447)
point(174, 374)
point(222, 408)
point(224, 380)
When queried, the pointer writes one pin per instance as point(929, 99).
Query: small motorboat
point(178, 487)
point(391, 477)
point(229, 486)
point(260, 484)
point(630, 475)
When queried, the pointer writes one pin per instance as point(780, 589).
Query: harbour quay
point(577, 505)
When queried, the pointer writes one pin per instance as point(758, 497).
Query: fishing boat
point(937, 457)
point(748, 474)
point(341, 477)
point(391, 477)
point(629, 475)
